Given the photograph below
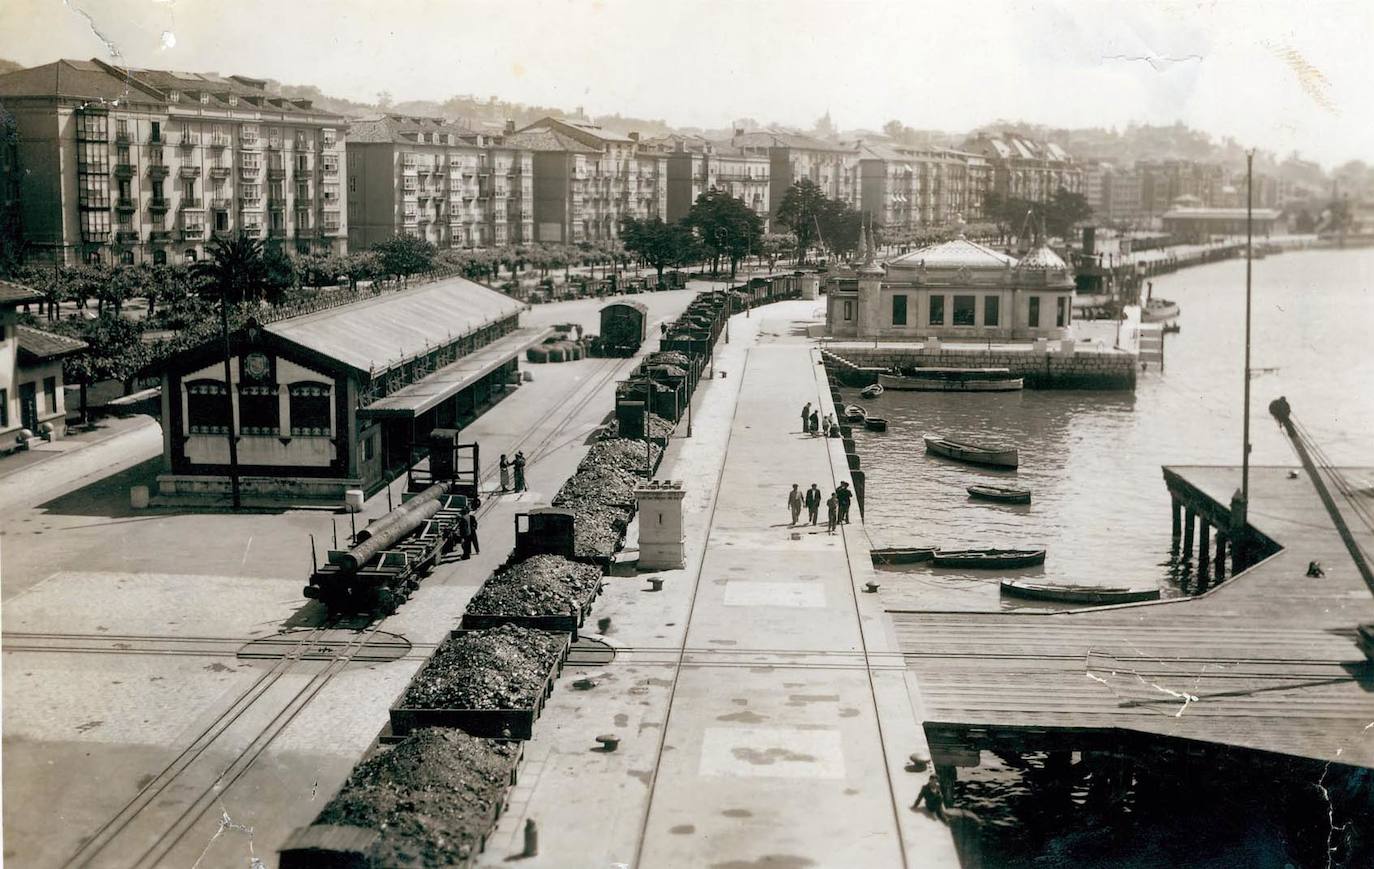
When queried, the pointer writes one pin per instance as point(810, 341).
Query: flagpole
point(1249, 239)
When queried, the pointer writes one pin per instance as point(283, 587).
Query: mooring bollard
point(871, 587)
point(656, 583)
point(608, 741)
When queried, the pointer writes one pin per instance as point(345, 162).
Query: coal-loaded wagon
point(624, 325)
point(387, 559)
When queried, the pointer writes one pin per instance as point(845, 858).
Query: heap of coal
point(432, 798)
point(505, 667)
point(542, 585)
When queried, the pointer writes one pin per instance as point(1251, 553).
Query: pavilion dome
point(1042, 259)
point(959, 253)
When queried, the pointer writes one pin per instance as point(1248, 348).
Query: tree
point(773, 245)
point(1063, 212)
point(233, 271)
point(726, 227)
point(404, 255)
point(839, 224)
point(799, 210)
point(278, 272)
point(114, 351)
point(660, 245)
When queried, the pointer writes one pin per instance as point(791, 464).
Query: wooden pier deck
point(1266, 662)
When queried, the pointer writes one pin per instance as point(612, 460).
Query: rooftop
point(1219, 213)
point(959, 253)
point(394, 327)
point(405, 129)
point(39, 345)
point(17, 294)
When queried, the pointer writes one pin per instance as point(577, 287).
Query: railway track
point(134, 836)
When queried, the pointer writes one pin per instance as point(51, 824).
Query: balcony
point(276, 232)
point(329, 229)
point(250, 171)
point(252, 231)
point(157, 171)
point(219, 140)
point(248, 141)
point(221, 204)
point(188, 141)
point(160, 236)
point(121, 137)
point(95, 235)
point(191, 203)
point(222, 234)
point(329, 168)
point(192, 233)
point(250, 202)
point(277, 173)
point(220, 171)
point(156, 138)
point(305, 231)
point(276, 203)
point(158, 203)
point(124, 170)
point(125, 203)
point(190, 171)
point(274, 144)
point(304, 198)
point(126, 236)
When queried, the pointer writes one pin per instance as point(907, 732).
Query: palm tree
point(234, 271)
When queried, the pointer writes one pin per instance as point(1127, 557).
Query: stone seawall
point(859, 366)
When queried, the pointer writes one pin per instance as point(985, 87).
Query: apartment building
point(907, 187)
point(125, 165)
point(432, 179)
point(1113, 193)
point(1023, 168)
point(794, 156)
point(1164, 181)
point(587, 178)
point(696, 165)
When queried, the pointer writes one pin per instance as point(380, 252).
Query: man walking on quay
point(794, 503)
point(813, 502)
point(806, 418)
point(519, 471)
point(814, 422)
point(831, 512)
point(842, 498)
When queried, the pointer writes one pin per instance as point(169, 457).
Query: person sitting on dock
point(934, 800)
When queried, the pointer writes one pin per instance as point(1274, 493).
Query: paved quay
point(764, 711)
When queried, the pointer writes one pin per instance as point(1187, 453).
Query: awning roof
point(425, 394)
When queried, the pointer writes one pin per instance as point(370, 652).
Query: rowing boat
point(983, 559)
point(854, 413)
point(872, 391)
point(998, 455)
point(875, 423)
point(901, 555)
point(1094, 594)
point(1004, 494)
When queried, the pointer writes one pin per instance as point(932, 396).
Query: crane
point(1281, 411)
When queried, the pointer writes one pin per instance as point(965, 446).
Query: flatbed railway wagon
point(624, 326)
point(387, 559)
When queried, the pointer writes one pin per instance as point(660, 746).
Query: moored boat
point(872, 391)
point(901, 555)
point(951, 380)
point(1158, 311)
point(1092, 594)
point(1004, 494)
point(875, 423)
point(997, 455)
point(986, 559)
point(854, 413)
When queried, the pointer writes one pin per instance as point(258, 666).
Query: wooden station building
point(333, 400)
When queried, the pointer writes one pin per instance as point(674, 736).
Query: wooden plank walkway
point(1264, 662)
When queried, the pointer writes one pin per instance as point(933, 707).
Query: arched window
point(159, 257)
point(311, 408)
point(206, 410)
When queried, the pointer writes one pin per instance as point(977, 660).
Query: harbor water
point(1102, 511)
point(1093, 459)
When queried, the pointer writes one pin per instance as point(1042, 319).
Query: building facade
point(31, 387)
point(127, 165)
point(956, 290)
point(834, 168)
point(431, 179)
point(1198, 225)
point(695, 165)
point(335, 399)
point(586, 179)
point(905, 188)
point(1163, 181)
point(1026, 169)
point(1113, 193)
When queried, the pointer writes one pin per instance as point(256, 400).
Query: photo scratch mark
point(1157, 62)
point(1312, 80)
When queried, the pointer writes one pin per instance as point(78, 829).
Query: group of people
point(518, 466)
point(836, 506)
point(467, 533)
point(813, 424)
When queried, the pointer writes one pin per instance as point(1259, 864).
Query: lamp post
point(229, 397)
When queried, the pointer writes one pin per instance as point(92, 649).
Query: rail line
point(110, 831)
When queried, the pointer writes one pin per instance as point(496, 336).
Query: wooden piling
point(1219, 570)
point(1189, 528)
point(1177, 511)
point(1204, 561)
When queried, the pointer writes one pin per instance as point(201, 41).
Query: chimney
point(634, 137)
point(739, 131)
point(510, 126)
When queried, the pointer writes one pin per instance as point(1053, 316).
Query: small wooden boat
point(854, 413)
point(997, 455)
point(908, 555)
point(875, 423)
point(1004, 494)
point(985, 559)
point(1172, 328)
point(1093, 594)
point(951, 380)
point(872, 391)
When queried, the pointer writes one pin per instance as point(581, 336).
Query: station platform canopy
point(425, 394)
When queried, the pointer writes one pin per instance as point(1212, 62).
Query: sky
point(1280, 76)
